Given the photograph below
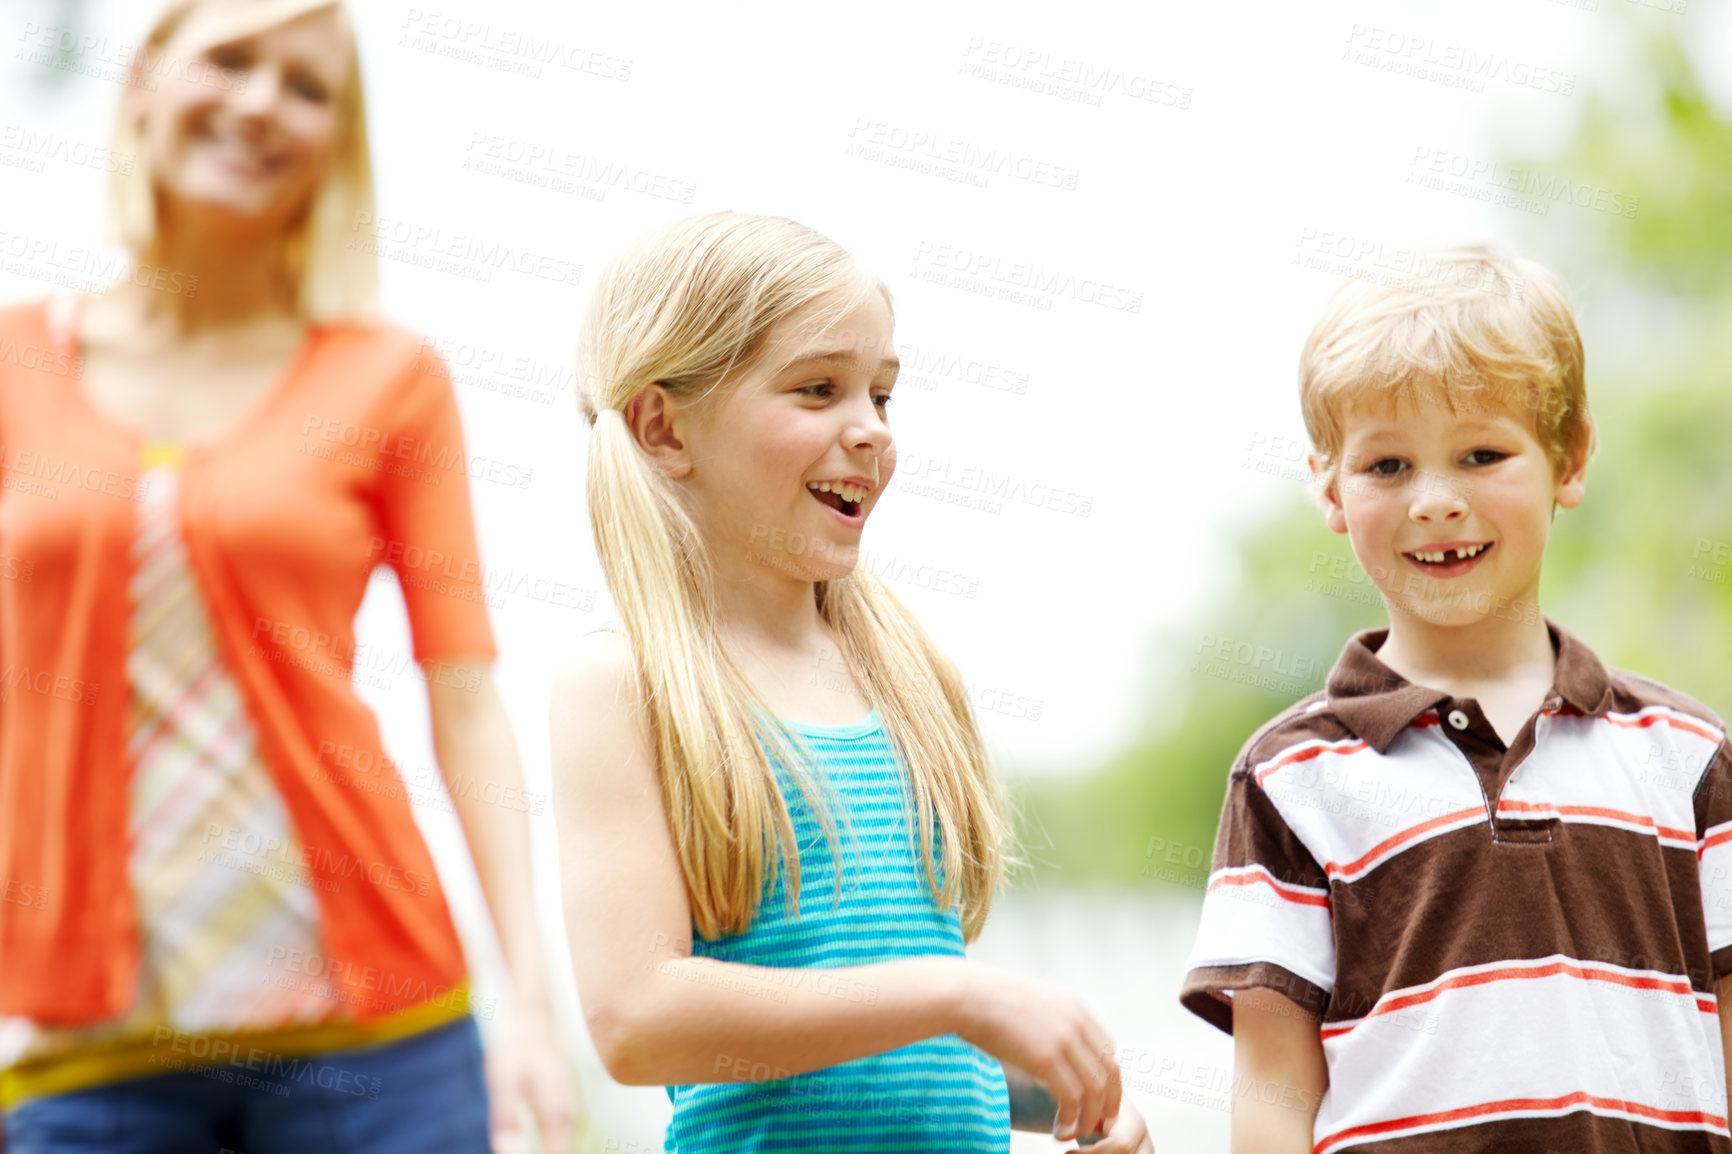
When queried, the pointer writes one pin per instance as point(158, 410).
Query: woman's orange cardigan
point(353, 460)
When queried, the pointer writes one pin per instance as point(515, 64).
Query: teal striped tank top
point(937, 1094)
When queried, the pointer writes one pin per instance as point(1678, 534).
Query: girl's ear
point(653, 416)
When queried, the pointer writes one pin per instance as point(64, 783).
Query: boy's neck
point(1469, 660)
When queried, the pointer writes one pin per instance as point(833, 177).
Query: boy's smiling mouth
point(1449, 560)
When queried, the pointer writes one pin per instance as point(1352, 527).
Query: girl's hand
point(1127, 1135)
point(1046, 1032)
point(526, 1068)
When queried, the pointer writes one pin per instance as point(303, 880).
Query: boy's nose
point(1435, 499)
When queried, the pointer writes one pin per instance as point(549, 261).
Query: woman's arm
point(477, 756)
point(661, 1017)
point(1276, 1044)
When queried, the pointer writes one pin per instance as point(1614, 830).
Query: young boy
point(1476, 895)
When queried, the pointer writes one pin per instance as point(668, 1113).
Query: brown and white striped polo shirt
point(1511, 949)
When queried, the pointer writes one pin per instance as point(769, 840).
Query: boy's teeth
point(1437, 557)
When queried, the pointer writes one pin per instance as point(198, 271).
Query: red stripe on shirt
point(1393, 840)
point(1264, 877)
point(1298, 756)
point(1677, 985)
point(1666, 718)
point(1720, 838)
point(1597, 811)
point(1484, 1110)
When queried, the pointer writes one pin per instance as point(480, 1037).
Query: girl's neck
point(767, 611)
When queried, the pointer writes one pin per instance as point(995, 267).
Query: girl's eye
point(822, 389)
point(1485, 456)
point(1386, 467)
point(882, 400)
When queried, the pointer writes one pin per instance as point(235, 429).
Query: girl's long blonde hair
point(685, 307)
point(331, 252)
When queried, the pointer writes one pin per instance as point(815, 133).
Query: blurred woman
point(222, 928)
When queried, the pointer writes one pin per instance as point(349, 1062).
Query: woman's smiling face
point(240, 129)
point(1448, 511)
point(790, 458)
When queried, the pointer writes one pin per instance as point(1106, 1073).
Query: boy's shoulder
point(1307, 721)
point(1634, 692)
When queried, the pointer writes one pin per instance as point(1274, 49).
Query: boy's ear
point(1327, 495)
point(652, 416)
point(1571, 487)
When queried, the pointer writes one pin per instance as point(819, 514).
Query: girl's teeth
point(846, 492)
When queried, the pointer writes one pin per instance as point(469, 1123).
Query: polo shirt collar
point(1376, 703)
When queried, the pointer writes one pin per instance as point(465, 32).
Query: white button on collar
point(1458, 719)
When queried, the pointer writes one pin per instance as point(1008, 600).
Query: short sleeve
point(1266, 920)
point(1714, 858)
point(429, 525)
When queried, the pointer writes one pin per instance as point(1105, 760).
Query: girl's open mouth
point(837, 502)
point(846, 498)
point(1451, 562)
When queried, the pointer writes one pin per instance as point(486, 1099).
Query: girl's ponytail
point(724, 815)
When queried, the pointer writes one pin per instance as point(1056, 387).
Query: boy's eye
point(882, 400)
point(1485, 456)
point(1386, 467)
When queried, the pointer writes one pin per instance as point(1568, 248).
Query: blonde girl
point(776, 818)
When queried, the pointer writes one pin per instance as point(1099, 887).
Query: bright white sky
point(1288, 144)
point(1287, 147)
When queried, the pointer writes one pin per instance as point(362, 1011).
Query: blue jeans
point(422, 1095)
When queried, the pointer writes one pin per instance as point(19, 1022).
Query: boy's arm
point(1279, 1074)
point(1723, 991)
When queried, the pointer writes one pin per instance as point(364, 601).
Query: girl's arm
point(659, 1016)
point(1278, 1045)
point(477, 756)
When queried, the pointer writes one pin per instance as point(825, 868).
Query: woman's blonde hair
point(336, 275)
point(1466, 325)
point(686, 307)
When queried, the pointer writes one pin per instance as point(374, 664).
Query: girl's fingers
point(1093, 1094)
point(1108, 1055)
point(1100, 1082)
point(1128, 1136)
point(1067, 1089)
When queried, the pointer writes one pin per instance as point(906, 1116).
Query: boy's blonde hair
point(336, 277)
point(1469, 326)
point(686, 307)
